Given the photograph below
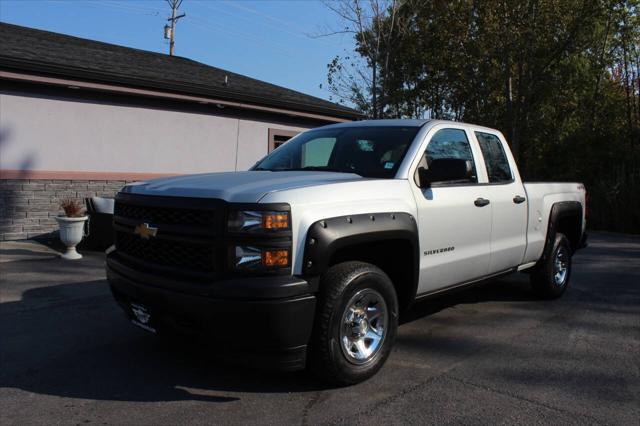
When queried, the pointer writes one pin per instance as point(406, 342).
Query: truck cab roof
point(405, 123)
point(380, 123)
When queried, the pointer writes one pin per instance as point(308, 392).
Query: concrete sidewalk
point(12, 251)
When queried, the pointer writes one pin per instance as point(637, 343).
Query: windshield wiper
point(307, 169)
point(316, 169)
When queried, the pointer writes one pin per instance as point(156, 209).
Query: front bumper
point(263, 320)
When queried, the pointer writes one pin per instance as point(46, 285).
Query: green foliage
point(560, 78)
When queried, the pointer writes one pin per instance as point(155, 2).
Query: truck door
point(454, 219)
point(508, 199)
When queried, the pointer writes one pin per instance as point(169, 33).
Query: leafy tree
point(560, 78)
point(362, 80)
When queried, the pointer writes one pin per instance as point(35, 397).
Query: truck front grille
point(168, 216)
point(198, 257)
point(188, 241)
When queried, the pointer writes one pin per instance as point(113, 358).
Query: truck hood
point(238, 187)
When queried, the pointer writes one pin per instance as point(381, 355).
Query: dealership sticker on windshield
point(388, 165)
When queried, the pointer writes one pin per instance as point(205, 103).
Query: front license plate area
point(142, 317)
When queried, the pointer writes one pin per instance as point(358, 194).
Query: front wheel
point(551, 277)
point(356, 323)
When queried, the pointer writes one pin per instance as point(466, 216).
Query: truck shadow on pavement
point(514, 288)
point(83, 347)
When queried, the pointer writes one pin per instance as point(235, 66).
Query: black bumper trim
point(272, 332)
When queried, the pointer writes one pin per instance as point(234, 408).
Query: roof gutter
point(132, 85)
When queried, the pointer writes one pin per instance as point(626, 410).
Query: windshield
point(367, 151)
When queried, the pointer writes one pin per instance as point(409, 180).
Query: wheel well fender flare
point(558, 212)
point(325, 237)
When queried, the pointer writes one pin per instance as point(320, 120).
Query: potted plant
point(71, 227)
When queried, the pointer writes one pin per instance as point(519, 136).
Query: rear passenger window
point(494, 158)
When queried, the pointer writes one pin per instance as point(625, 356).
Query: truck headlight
point(258, 221)
point(253, 258)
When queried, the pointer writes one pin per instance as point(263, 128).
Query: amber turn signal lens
point(275, 221)
point(275, 258)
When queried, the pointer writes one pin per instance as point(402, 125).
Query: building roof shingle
point(33, 50)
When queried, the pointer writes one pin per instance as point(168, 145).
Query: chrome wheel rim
point(363, 327)
point(561, 266)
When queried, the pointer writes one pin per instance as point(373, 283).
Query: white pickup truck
point(309, 258)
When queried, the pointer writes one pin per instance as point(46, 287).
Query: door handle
point(481, 202)
point(519, 199)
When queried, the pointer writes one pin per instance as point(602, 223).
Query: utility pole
point(170, 30)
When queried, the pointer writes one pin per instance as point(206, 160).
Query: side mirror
point(449, 170)
point(423, 178)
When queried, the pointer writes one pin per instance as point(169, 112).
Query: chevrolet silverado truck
point(308, 259)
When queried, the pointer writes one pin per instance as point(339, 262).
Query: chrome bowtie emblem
point(145, 231)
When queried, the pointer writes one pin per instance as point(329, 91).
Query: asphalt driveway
point(492, 354)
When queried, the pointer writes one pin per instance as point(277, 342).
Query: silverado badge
point(145, 231)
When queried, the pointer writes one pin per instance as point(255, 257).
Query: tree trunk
point(374, 88)
point(601, 71)
point(508, 94)
point(627, 89)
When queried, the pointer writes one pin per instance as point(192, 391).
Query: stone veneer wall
point(28, 206)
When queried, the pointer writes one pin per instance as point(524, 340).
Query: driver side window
point(448, 158)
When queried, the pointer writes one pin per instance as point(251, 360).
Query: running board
point(465, 284)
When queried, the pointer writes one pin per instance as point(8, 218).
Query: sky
point(273, 41)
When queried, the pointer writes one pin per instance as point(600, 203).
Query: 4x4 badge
point(145, 231)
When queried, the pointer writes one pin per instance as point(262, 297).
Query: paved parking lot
point(487, 355)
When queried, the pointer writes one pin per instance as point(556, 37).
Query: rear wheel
point(356, 323)
point(551, 277)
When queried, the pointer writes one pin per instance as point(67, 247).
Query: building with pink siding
point(79, 118)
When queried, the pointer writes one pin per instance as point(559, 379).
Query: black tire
point(328, 359)
point(546, 280)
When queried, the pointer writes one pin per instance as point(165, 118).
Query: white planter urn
point(71, 233)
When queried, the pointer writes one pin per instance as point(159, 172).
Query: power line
point(130, 6)
point(208, 25)
point(269, 22)
point(278, 21)
point(118, 6)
